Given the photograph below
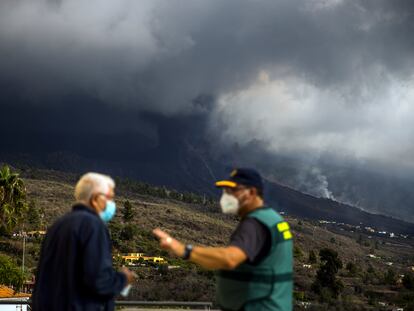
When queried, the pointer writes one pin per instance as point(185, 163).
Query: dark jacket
point(75, 269)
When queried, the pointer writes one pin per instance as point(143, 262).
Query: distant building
point(6, 293)
point(137, 258)
point(327, 222)
point(30, 234)
point(35, 233)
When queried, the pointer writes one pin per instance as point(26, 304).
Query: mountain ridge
point(307, 206)
point(286, 199)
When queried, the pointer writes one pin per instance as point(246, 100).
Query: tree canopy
point(127, 212)
point(10, 274)
point(13, 203)
point(326, 275)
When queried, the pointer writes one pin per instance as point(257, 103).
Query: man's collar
point(252, 210)
point(83, 207)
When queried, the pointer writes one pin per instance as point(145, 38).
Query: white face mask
point(229, 204)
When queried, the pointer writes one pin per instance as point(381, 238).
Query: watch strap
point(187, 251)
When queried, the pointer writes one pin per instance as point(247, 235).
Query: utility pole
point(24, 249)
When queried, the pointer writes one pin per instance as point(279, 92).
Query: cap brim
point(226, 183)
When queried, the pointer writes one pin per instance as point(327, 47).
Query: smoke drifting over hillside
point(304, 78)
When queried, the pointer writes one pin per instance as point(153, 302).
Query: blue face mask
point(108, 213)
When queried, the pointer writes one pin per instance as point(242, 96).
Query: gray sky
point(302, 76)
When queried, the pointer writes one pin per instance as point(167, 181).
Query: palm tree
point(13, 203)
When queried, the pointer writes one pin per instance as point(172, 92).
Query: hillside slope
point(307, 206)
point(52, 192)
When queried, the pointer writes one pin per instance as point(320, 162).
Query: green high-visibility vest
point(267, 285)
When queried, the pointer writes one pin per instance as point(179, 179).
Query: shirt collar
point(83, 207)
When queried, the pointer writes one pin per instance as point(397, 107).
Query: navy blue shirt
point(253, 238)
point(75, 268)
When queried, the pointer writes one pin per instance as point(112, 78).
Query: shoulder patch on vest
point(287, 235)
point(282, 226)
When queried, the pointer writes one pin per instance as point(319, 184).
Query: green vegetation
point(128, 232)
point(312, 257)
point(12, 200)
point(33, 218)
point(408, 281)
point(326, 284)
point(363, 283)
point(10, 273)
point(390, 277)
point(162, 192)
point(297, 252)
point(127, 212)
point(352, 268)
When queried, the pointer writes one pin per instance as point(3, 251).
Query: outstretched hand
point(169, 243)
point(131, 276)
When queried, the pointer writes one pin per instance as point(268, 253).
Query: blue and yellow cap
point(242, 176)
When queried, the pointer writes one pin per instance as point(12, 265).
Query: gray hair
point(90, 184)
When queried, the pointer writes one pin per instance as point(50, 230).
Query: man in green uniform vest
point(255, 269)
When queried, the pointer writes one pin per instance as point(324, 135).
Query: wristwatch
point(187, 251)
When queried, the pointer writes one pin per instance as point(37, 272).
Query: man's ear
point(92, 201)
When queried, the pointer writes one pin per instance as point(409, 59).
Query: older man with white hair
point(75, 268)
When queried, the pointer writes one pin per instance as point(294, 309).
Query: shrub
point(352, 268)
point(10, 273)
point(128, 232)
point(408, 281)
point(326, 275)
point(127, 212)
point(312, 257)
point(297, 252)
point(390, 277)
